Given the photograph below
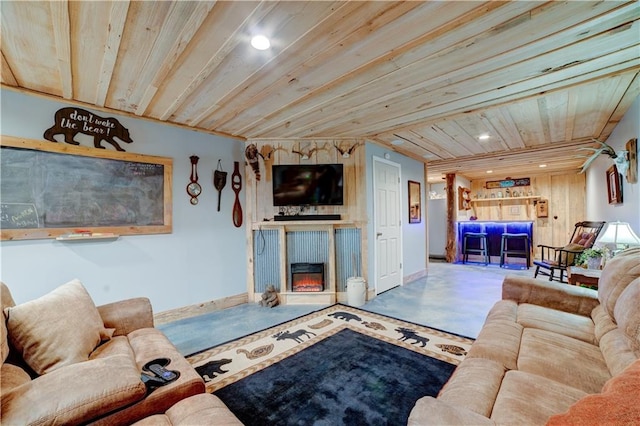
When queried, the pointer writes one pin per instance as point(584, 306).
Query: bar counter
point(494, 231)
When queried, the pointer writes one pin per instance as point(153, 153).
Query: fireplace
point(307, 277)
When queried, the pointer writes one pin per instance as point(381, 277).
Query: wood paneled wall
point(259, 202)
point(566, 195)
point(259, 194)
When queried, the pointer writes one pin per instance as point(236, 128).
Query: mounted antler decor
point(346, 153)
point(267, 153)
point(304, 155)
point(620, 158)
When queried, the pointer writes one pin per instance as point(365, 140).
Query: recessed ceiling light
point(397, 142)
point(260, 42)
point(542, 165)
point(428, 155)
point(489, 171)
point(483, 137)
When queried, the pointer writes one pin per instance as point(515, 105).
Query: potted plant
point(591, 258)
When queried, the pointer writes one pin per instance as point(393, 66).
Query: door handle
point(379, 234)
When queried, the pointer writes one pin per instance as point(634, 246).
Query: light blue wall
point(414, 236)
point(203, 259)
point(598, 207)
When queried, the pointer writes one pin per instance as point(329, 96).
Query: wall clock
point(193, 188)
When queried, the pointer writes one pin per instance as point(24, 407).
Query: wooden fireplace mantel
point(330, 294)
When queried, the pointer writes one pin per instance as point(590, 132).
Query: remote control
point(151, 381)
point(162, 372)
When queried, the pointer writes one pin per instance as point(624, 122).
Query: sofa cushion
point(431, 411)
point(528, 399)
point(499, 341)
point(506, 310)
point(617, 404)
point(474, 385)
point(627, 313)
point(617, 351)
point(572, 325)
point(74, 394)
point(201, 409)
point(6, 301)
point(118, 345)
point(12, 376)
point(602, 322)
point(58, 329)
point(616, 276)
point(563, 359)
point(148, 344)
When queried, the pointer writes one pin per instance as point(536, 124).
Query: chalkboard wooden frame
point(43, 232)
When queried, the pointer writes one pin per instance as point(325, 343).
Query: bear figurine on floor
point(269, 297)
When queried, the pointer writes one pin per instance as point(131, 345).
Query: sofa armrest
point(432, 411)
point(562, 297)
point(127, 315)
point(75, 394)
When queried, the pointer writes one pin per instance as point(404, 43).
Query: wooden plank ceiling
point(424, 78)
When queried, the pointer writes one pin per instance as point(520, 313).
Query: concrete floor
point(452, 297)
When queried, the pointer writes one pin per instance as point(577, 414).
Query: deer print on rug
point(409, 334)
point(296, 336)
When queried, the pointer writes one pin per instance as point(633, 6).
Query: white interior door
point(387, 209)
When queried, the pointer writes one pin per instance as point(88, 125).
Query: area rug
point(339, 365)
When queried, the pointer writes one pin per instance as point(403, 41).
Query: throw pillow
point(617, 404)
point(569, 258)
point(58, 329)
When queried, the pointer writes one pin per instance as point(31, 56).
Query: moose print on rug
point(345, 316)
point(212, 369)
point(71, 121)
point(409, 334)
point(296, 336)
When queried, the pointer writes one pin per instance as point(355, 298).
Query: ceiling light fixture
point(260, 42)
point(483, 137)
point(489, 171)
point(397, 142)
point(542, 165)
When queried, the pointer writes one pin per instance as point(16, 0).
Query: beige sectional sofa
point(66, 361)
point(551, 354)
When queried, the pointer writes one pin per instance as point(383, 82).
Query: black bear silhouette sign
point(71, 121)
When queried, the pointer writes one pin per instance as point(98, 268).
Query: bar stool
point(481, 238)
point(518, 240)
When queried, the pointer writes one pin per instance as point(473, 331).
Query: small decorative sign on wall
point(71, 121)
point(508, 183)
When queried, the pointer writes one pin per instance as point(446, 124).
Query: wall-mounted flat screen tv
point(308, 185)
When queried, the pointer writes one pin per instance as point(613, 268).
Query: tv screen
point(307, 184)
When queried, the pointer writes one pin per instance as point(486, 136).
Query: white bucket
point(356, 291)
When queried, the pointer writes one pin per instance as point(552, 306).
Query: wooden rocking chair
point(560, 258)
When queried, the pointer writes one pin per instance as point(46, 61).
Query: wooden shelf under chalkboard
point(87, 237)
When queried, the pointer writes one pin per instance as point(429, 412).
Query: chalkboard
point(48, 189)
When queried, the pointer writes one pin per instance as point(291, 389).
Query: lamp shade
point(618, 233)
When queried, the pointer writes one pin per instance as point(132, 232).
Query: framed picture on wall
point(415, 203)
point(614, 189)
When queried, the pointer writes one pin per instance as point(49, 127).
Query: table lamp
point(618, 236)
